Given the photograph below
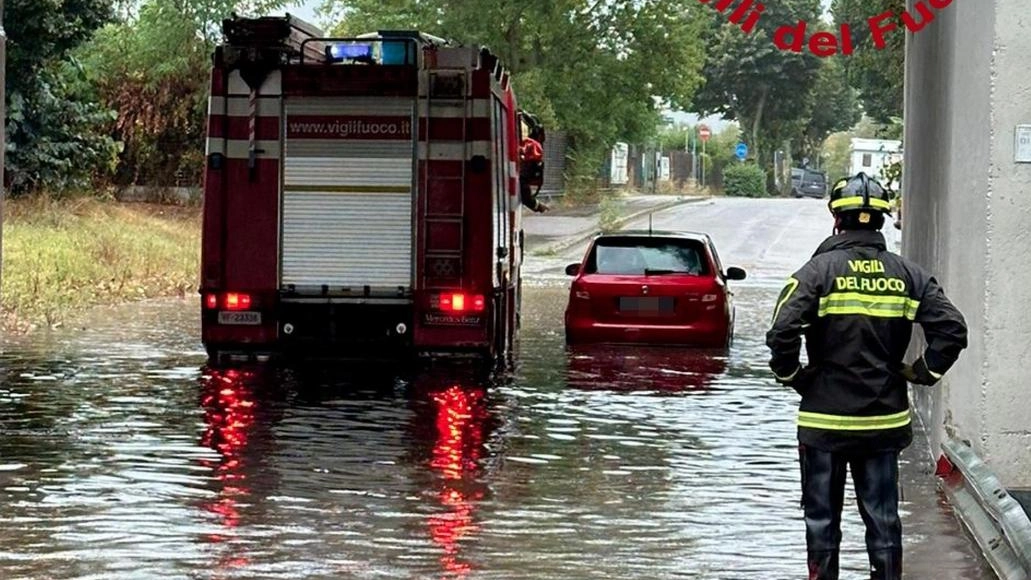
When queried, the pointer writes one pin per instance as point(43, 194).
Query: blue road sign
point(741, 151)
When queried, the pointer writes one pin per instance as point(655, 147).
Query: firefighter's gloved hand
point(919, 374)
point(541, 207)
point(799, 381)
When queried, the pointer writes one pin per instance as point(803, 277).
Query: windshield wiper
point(649, 272)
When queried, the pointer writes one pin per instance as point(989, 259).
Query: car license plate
point(239, 318)
point(648, 306)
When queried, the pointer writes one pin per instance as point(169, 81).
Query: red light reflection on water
point(229, 417)
point(460, 418)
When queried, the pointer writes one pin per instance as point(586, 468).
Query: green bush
point(744, 180)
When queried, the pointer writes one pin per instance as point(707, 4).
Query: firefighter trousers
point(875, 477)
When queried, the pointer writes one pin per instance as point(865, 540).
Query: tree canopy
point(752, 81)
point(600, 69)
point(877, 74)
point(54, 130)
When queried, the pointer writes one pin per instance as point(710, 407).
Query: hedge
point(744, 180)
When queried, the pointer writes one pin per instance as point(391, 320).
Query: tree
point(876, 73)
point(588, 67)
point(837, 152)
point(752, 81)
point(152, 67)
point(833, 107)
point(55, 137)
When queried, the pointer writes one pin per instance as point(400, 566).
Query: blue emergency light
point(341, 52)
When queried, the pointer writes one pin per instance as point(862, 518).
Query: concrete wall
point(967, 209)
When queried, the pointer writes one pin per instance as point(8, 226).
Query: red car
point(652, 288)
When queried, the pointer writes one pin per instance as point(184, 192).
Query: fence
point(643, 170)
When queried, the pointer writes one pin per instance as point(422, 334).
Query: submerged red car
point(651, 288)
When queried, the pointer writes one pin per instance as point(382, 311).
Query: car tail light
point(237, 301)
point(211, 301)
point(460, 302)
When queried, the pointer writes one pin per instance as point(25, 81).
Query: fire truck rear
point(360, 197)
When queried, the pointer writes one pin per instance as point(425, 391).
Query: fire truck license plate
point(239, 318)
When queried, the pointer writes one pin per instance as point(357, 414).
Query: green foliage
point(55, 137)
point(749, 79)
point(152, 67)
point(591, 68)
point(893, 176)
point(836, 154)
point(720, 149)
point(877, 74)
point(61, 258)
point(744, 180)
point(610, 214)
point(833, 107)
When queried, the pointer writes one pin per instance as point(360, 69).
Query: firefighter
point(856, 303)
point(531, 164)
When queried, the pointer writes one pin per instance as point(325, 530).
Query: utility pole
point(3, 130)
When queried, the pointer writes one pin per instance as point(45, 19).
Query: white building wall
point(967, 217)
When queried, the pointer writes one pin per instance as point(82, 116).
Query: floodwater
point(121, 456)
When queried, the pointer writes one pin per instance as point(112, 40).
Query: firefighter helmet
point(859, 193)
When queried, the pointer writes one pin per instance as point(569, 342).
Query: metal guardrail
point(997, 521)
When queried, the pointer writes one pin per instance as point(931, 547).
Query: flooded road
point(121, 456)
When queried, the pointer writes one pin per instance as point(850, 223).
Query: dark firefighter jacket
point(856, 304)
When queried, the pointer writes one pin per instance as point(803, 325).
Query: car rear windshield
point(643, 256)
point(816, 177)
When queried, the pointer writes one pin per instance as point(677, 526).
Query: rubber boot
point(823, 493)
point(886, 564)
point(876, 482)
point(823, 565)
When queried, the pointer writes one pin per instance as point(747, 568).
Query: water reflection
point(635, 368)
point(345, 448)
point(457, 458)
point(120, 459)
point(228, 399)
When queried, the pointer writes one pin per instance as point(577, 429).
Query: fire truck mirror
point(216, 161)
point(478, 164)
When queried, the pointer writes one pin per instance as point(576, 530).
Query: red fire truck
point(361, 196)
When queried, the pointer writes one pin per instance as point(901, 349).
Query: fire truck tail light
point(237, 301)
point(461, 302)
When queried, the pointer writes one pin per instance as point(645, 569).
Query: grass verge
point(62, 257)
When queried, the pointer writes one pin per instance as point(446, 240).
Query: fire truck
point(361, 196)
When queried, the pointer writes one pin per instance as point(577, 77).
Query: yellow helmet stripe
point(857, 202)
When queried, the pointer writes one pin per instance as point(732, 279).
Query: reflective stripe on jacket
point(856, 304)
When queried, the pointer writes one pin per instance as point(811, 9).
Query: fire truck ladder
point(444, 231)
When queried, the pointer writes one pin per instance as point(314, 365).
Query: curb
point(995, 519)
point(581, 237)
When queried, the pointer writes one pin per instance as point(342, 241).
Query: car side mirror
point(734, 273)
point(572, 269)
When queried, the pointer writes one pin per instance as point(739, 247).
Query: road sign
point(704, 133)
point(741, 151)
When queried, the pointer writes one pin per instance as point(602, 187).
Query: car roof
point(682, 235)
